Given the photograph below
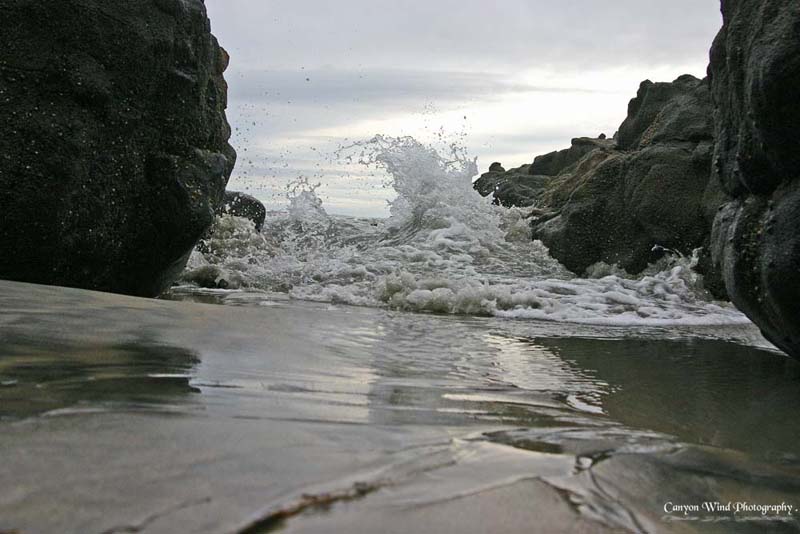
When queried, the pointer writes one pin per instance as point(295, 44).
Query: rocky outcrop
point(625, 200)
point(628, 208)
point(114, 153)
point(243, 205)
point(554, 163)
point(755, 75)
point(667, 112)
point(515, 187)
point(522, 186)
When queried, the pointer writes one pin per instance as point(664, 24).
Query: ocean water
point(436, 371)
point(444, 249)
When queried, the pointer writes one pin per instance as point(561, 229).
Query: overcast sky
point(511, 78)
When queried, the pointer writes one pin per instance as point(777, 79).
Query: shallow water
point(129, 415)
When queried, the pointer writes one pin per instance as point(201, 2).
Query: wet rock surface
point(755, 81)
point(115, 149)
point(243, 205)
point(625, 204)
point(515, 187)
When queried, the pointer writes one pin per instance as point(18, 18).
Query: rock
point(755, 81)
point(243, 205)
point(677, 111)
point(554, 163)
point(207, 276)
point(512, 188)
point(629, 208)
point(114, 152)
point(522, 186)
point(624, 205)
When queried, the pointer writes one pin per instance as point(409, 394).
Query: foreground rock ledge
point(114, 152)
point(755, 83)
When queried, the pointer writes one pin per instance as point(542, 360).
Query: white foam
point(444, 249)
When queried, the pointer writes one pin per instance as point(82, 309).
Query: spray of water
point(444, 249)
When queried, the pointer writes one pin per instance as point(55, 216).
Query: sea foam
point(444, 249)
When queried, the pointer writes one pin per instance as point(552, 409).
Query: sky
point(507, 79)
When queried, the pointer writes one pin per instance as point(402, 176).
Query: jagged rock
point(625, 209)
point(755, 73)
point(617, 204)
point(661, 112)
point(496, 167)
point(515, 187)
point(243, 205)
point(114, 153)
point(554, 163)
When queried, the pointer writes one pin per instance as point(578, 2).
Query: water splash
point(444, 249)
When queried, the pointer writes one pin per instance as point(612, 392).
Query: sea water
point(444, 249)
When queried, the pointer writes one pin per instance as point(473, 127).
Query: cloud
point(498, 37)
point(328, 85)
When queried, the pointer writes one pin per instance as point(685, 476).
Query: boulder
point(114, 154)
point(629, 208)
point(243, 205)
point(755, 83)
point(511, 188)
point(663, 112)
point(625, 205)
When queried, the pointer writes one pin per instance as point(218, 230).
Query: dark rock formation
point(554, 163)
point(515, 187)
point(625, 204)
point(624, 200)
point(755, 73)
point(243, 205)
point(663, 112)
point(114, 152)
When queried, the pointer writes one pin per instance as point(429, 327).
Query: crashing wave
point(444, 249)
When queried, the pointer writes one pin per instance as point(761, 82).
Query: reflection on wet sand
point(705, 392)
point(39, 375)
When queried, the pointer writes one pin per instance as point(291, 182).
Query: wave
point(443, 249)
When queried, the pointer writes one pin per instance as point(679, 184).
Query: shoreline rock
point(513, 187)
point(625, 200)
point(243, 205)
point(755, 82)
point(554, 163)
point(115, 153)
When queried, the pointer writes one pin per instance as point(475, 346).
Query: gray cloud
point(463, 34)
point(323, 86)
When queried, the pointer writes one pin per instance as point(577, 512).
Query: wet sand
point(128, 415)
